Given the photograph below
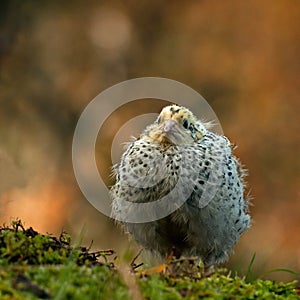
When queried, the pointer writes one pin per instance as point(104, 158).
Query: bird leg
point(208, 270)
point(160, 268)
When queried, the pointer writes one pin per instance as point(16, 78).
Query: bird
point(180, 159)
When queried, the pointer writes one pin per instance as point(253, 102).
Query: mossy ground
point(37, 266)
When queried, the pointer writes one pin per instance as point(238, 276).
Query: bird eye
point(185, 123)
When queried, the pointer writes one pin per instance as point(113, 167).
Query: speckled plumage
point(178, 150)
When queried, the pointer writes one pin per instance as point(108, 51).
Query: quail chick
point(179, 159)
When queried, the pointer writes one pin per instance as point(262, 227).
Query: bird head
point(176, 125)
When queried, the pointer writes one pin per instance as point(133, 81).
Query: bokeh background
point(242, 56)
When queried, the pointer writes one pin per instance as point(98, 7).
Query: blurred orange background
point(243, 57)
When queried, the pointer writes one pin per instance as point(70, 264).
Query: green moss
point(26, 246)
point(37, 266)
point(61, 282)
point(218, 286)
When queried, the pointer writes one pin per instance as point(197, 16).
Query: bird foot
point(208, 271)
point(155, 270)
point(176, 267)
point(160, 268)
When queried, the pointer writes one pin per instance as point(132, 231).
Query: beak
point(169, 125)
